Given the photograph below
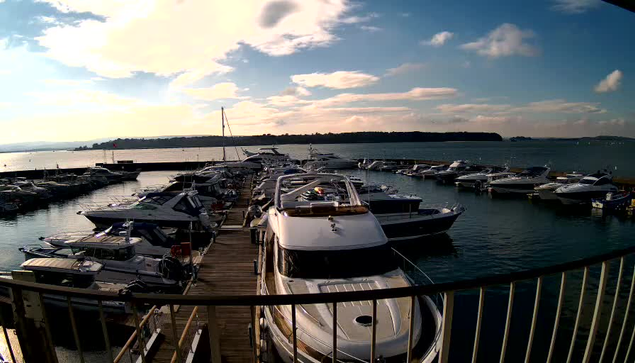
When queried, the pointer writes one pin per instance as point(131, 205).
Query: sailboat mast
point(222, 116)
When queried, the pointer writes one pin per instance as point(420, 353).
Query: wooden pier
point(226, 269)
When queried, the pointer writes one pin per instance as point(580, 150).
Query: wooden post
point(30, 328)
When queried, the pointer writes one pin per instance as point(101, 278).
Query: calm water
point(493, 236)
point(561, 155)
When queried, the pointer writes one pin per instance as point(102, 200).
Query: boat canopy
point(64, 265)
point(104, 242)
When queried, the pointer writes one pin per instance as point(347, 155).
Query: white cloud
point(68, 82)
point(225, 90)
point(295, 91)
point(438, 39)
point(370, 28)
point(336, 80)
point(562, 106)
point(415, 94)
point(610, 83)
point(359, 19)
point(506, 40)
point(472, 107)
point(574, 6)
point(404, 68)
point(190, 38)
point(613, 122)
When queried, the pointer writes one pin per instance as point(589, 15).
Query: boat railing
point(605, 292)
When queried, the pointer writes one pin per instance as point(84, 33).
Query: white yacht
point(478, 179)
point(417, 169)
point(375, 165)
point(310, 246)
point(523, 183)
point(70, 273)
point(152, 240)
point(548, 191)
point(121, 263)
point(432, 172)
point(328, 161)
point(165, 209)
point(98, 171)
point(265, 155)
point(590, 187)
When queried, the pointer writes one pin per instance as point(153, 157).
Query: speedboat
point(401, 218)
point(121, 263)
point(75, 273)
point(417, 169)
point(523, 183)
point(389, 166)
point(376, 165)
point(613, 201)
point(265, 155)
point(183, 210)
point(328, 161)
point(590, 187)
point(432, 172)
point(548, 191)
point(312, 246)
point(98, 171)
point(478, 179)
point(153, 240)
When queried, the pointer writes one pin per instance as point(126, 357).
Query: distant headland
point(317, 138)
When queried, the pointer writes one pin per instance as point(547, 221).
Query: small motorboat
point(613, 201)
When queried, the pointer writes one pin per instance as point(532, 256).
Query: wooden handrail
point(134, 335)
point(184, 334)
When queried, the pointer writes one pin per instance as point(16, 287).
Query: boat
point(327, 161)
point(548, 191)
point(402, 219)
point(593, 186)
point(417, 169)
point(613, 201)
point(456, 169)
point(375, 165)
point(523, 183)
point(479, 179)
point(265, 155)
point(389, 166)
point(153, 240)
point(121, 263)
point(310, 248)
point(431, 173)
point(183, 210)
point(98, 171)
point(75, 273)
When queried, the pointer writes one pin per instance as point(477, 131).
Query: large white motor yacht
point(478, 179)
point(590, 187)
point(523, 183)
point(265, 155)
point(548, 191)
point(165, 209)
point(310, 248)
point(328, 161)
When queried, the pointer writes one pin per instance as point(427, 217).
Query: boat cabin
point(114, 249)
point(185, 202)
point(534, 171)
point(149, 231)
point(62, 271)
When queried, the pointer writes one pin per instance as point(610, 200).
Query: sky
point(74, 70)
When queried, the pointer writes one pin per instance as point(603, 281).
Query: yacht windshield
point(336, 264)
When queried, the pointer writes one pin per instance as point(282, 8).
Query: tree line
point(317, 138)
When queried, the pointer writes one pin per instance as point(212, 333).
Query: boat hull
point(404, 226)
point(580, 198)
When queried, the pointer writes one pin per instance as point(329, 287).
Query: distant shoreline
point(267, 139)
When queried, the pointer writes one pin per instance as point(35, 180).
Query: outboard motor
point(172, 269)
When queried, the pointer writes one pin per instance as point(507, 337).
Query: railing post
point(31, 333)
point(628, 308)
point(604, 277)
point(74, 327)
point(175, 335)
point(373, 333)
point(142, 343)
point(479, 321)
point(585, 278)
point(295, 333)
point(556, 321)
point(508, 321)
point(534, 319)
point(411, 328)
point(214, 336)
point(334, 357)
point(104, 330)
point(615, 299)
point(448, 309)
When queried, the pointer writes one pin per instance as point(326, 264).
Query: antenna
point(222, 116)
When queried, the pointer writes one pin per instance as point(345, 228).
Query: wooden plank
point(226, 269)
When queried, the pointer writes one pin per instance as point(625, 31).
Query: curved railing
point(447, 289)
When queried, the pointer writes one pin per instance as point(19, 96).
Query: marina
point(232, 265)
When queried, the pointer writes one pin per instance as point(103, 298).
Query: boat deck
point(226, 269)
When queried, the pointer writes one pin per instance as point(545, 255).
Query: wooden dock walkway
point(226, 269)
